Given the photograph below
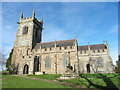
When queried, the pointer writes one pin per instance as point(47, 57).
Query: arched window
point(48, 63)
point(98, 50)
point(100, 62)
point(36, 64)
point(66, 61)
point(103, 50)
point(25, 30)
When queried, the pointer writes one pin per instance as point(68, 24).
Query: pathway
point(54, 81)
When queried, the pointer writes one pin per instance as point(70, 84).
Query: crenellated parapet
point(55, 49)
point(30, 19)
point(97, 49)
point(55, 46)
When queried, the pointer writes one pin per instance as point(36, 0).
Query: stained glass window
point(66, 60)
point(48, 63)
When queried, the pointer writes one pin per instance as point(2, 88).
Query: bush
point(4, 72)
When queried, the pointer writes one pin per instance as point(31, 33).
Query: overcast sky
point(88, 22)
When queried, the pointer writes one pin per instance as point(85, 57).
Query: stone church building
point(30, 55)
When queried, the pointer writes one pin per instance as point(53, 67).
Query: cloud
point(52, 33)
point(8, 36)
point(114, 29)
point(62, 22)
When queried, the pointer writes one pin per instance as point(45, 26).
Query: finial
point(33, 13)
point(106, 42)
point(42, 20)
point(88, 43)
point(89, 48)
point(21, 15)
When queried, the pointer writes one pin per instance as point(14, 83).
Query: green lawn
point(46, 76)
point(20, 82)
point(96, 80)
point(101, 81)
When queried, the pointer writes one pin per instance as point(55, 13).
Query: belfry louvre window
point(25, 30)
point(48, 63)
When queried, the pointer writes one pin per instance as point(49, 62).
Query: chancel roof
point(92, 47)
point(70, 42)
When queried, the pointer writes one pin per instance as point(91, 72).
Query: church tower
point(28, 35)
point(29, 31)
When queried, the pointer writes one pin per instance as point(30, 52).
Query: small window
point(27, 52)
point(23, 56)
point(65, 47)
point(103, 50)
point(70, 47)
point(25, 30)
point(98, 50)
point(45, 49)
point(29, 56)
point(93, 51)
point(60, 48)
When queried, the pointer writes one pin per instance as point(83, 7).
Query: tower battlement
point(28, 19)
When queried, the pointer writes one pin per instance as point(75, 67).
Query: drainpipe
point(56, 59)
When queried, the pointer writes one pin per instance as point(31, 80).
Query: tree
point(3, 60)
point(117, 68)
point(96, 64)
point(8, 62)
point(12, 68)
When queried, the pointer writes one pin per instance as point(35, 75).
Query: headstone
point(38, 73)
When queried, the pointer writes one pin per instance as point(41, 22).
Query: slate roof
point(92, 47)
point(83, 47)
point(70, 42)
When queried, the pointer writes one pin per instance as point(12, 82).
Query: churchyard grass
point(88, 80)
point(21, 82)
point(47, 76)
point(96, 80)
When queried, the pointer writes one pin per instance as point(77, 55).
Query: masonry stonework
point(30, 55)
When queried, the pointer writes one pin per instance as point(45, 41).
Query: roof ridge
point(66, 40)
point(57, 41)
point(46, 42)
point(92, 45)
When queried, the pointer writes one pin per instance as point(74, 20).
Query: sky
point(92, 22)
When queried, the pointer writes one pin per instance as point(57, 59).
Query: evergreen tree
point(117, 68)
point(8, 62)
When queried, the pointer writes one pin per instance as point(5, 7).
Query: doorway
point(26, 69)
point(88, 68)
point(36, 64)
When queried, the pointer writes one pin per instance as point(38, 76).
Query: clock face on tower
point(24, 43)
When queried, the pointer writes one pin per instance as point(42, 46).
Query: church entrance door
point(25, 70)
point(88, 68)
point(36, 64)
